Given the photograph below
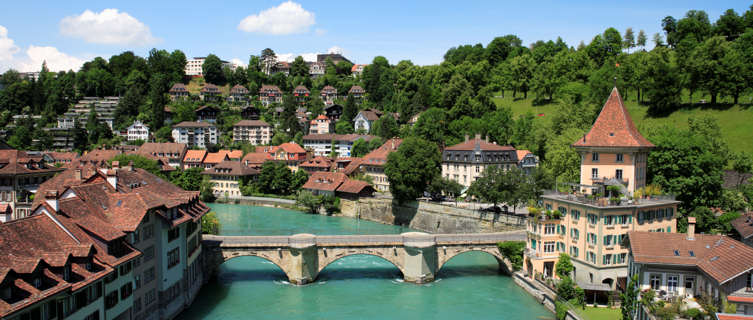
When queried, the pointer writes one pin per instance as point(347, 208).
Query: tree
point(443, 186)
point(189, 179)
point(669, 25)
point(140, 162)
point(309, 201)
point(641, 41)
point(386, 127)
point(564, 266)
point(628, 40)
point(562, 158)
point(410, 169)
point(360, 148)
point(275, 178)
point(210, 224)
point(343, 127)
point(432, 126)
point(350, 109)
point(299, 68)
point(629, 299)
point(742, 164)
point(513, 251)
point(707, 61)
point(663, 87)
point(212, 70)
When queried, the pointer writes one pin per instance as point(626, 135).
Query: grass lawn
point(197, 83)
point(592, 313)
point(736, 121)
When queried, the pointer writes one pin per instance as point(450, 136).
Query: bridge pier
point(420, 262)
point(303, 267)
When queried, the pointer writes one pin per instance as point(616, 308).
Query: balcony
point(597, 201)
point(604, 180)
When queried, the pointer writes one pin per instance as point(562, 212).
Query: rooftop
point(578, 198)
point(613, 127)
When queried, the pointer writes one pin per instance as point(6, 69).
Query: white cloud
point(336, 49)
point(7, 47)
point(238, 62)
point(287, 18)
point(107, 27)
point(56, 60)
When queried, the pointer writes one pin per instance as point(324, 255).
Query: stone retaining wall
point(429, 217)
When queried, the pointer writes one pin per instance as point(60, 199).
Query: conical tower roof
point(613, 127)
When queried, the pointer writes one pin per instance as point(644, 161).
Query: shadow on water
point(211, 295)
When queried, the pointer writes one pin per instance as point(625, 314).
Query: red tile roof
point(216, 157)
point(720, 257)
point(729, 316)
point(231, 168)
point(613, 127)
point(324, 181)
point(14, 162)
point(195, 156)
point(156, 148)
point(356, 89)
point(267, 87)
point(210, 88)
point(57, 156)
point(354, 186)
point(354, 164)
point(291, 147)
point(317, 162)
point(744, 225)
point(178, 87)
point(379, 155)
point(192, 124)
point(99, 156)
point(255, 158)
point(329, 90)
point(733, 298)
point(481, 144)
point(238, 89)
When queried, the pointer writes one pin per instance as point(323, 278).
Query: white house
point(195, 134)
point(321, 144)
point(138, 131)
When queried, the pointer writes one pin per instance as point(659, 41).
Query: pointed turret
point(613, 127)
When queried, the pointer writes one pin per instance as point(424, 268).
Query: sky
point(67, 33)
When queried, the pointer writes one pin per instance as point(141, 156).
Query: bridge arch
point(446, 254)
point(276, 263)
point(335, 256)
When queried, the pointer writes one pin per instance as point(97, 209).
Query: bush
point(560, 310)
point(331, 204)
point(210, 224)
point(694, 314)
point(513, 251)
point(564, 266)
point(309, 201)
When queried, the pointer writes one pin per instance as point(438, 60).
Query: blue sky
point(64, 33)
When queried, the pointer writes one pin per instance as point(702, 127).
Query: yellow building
point(588, 227)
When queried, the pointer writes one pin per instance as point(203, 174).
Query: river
point(355, 287)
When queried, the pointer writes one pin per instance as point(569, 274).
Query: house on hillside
point(250, 113)
point(178, 91)
point(210, 92)
point(320, 125)
point(301, 94)
point(195, 134)
point(333, 112)
point(194, 159)
point(137, 131)
point(207, 114)
point(365, 119)
point(329, 94)
point(321, 144)
point(357, 92)
point(269, 94)
point(357, 69)
point(317, 164)
point(226, 177)
point(238, 93)
point(172, 151)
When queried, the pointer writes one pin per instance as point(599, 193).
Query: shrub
point(560, 310)
point(693, 314)
point(210, 224)
point(513, 251)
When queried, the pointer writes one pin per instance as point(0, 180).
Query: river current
point(354, 287)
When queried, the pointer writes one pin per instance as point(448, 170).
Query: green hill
point(736, 121)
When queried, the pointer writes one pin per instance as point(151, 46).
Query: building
point(613, 150)
point(226, 177)
point(194, 66)
point(290, 153)
point(255, 132)
point(329, 94)
point(256, 159)
point(692, 265)
point(137, 131)
point(130, 210)
point(207, 114)
point(210, 92)
point(20, 177)
point(173, 152)
point(590, 228)
point(365, 119)
point(316, 69)
point(178, 91)
point(280, 67)
point(744, 227)
point(357, 92)
point(238, 93)
point(301, 94)
point(526, 160)
point(334, 112)
point(195, 134)
point(194, 159)
point(466, 161)
point(214, 158)
point(103, 107)
point(62, 158)
point(335, 57)
point(98, 157)
point(321, 144)
point(269, 94)
point(357, 69)
point(337, 184)
point(373, 163)
point(320, 125)
point(62, 138)
point(317, 164)
point(250, 113)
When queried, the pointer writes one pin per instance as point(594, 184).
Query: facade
point(527, 160)
point(333, 112)
point(226, 177)
point(316, 69)
point(464, 162)
point(195, 134)
point(210, 92)
point(589, 228)
point(173, 152)
point(329, 94)
point(320, 125)
point(103, 107)
point(194, 159)
point(207, 114)
point(178, 91)
point(373, 163)
point(137, 131)
point(255, 132)
point(290, 153)
point(317, 164)
point(269, 94)
point(301, 94)
point(357, 69)
point(194, 66)
point(357, 92)
point(20, 177)
point(693, 265)
point(250, 113)
point(613, 150)
point(321, 144)
point(365, 119)
point(238, 93)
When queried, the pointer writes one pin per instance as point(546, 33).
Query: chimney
point(691, 228)
point(116, 164)
point(51, 197)
point(130, 165)
point(466, 137)
point(78, 174)
point(478, 136)
point(112, 178)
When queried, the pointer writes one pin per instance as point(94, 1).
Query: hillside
point(736, 121)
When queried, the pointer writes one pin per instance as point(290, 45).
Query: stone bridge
point(419, 256)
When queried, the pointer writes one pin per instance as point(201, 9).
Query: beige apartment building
point(255, 132)
point(589, 228)
point(464, 162)
point(373, 163)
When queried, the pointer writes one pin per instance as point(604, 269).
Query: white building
point(138, 131)
point(321, 144)
point(195, 134)
point(256, 132)
point(193, 66)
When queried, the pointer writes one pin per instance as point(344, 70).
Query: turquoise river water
point(356, 287)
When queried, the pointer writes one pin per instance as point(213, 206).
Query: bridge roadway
point(419, 256)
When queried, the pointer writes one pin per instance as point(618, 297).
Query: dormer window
point(595, 157)
point(37, 283)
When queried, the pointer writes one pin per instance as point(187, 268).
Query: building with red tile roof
point(178, 91)
point(207, 114)
point(526, 160)
point(194, 159)
point(357, 92)
point(269, 94)
point(20, 175)
point(317, 164)
point(173, 152)
point(353, 189)
point(613, 149)
point(329, 94)
point(743, 225)
point(63, 158)
point(689, 264)
point(214, 158)
point(373, 163)
point(301, 93)
point(98, 157)
point(256, 159)
point(238, 93)
point(324, 183)
point(210, 92)
point(226, 177)
point(320, 125)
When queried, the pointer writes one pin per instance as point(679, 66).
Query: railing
point(481, 238)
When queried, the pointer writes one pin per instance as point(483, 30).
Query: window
point(673, 281)
point(575, 214)
point(591, 238)
point(575, 234)
point(595, 157)
point(689, 281)
point(609, 220)
point(549, 246)
point(173, 257)
point(126, 290)
point(574, 251)
point(148, 253)
point(591, 257)
point(137, 305)
point(137, 282)
point(549, 228)
point(148, 231)
point(125, 268)
point(594, 173)
point(619, 157)
point(149, 297)
point(592, 218)
point(618, 174)
point(609, 240)
point(606, 259)
point(620, 258)
point(749, 282)
point(111, 299)
point(533, 244)
point(560, 247)
point(93, 316)
point(655, 281)
point(562, 210)
point(173, 234)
